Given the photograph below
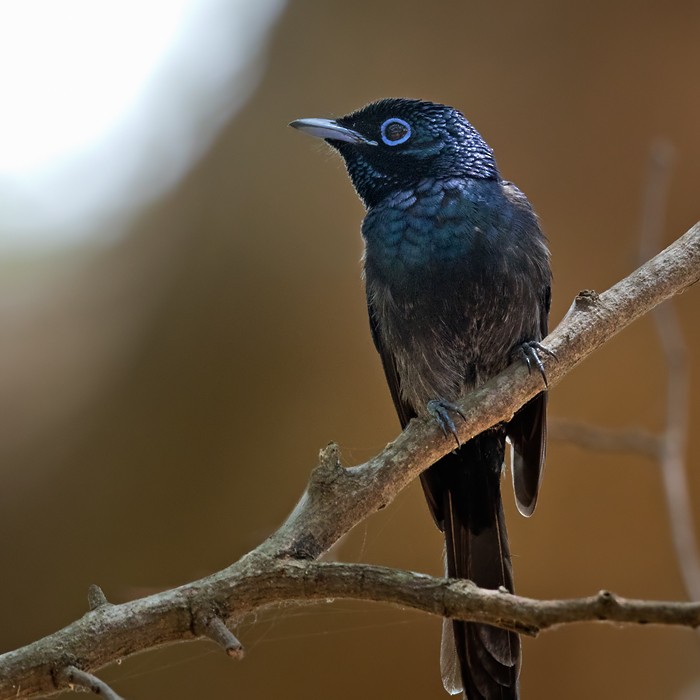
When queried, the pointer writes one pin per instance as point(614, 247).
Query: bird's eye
point(395, 131)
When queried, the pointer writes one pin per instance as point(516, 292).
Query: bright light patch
point(91, 89)
point(69, 69)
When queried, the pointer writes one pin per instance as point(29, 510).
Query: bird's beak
point(328, 129)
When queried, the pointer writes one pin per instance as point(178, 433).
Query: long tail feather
point(481, 660)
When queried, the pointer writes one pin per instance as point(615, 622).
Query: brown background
point(163, 402)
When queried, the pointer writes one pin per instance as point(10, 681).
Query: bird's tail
point(481, 660)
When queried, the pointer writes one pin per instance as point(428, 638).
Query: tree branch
point(670, 334)
point(593, 437)
point(337, 498)
point(669, 448)
point(75, 678)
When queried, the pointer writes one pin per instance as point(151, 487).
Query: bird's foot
point(440, 410)
point(528, 352)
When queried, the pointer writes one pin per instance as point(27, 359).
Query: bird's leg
point(440, 409)
point(528, 352)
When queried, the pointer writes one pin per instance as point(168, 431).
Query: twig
point(75, 677)
point(463, 600)
point(336, 499)
point(215, 629)
point(96, 597)
point(591, 437)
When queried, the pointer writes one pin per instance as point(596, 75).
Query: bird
point(458, 285)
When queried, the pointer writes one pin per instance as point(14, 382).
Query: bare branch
point(465, 601)
point(670, 334)
point(670, 447)
point(336, 499)
point(74, 677)
point(96, 597)
point(592, 437)
point(215, 629)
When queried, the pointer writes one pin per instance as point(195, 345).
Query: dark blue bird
point(458, 285)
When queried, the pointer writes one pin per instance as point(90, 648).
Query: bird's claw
point(528, 352)
point(440, 411)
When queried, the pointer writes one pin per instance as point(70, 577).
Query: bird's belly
point(448, 331)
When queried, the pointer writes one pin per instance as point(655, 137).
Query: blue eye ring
point(402, 139)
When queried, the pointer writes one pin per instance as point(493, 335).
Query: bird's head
point(394, 143)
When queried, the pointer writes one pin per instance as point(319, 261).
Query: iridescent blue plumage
point(458, 283)
point(448, 269)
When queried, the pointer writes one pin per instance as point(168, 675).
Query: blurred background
point(182, 320)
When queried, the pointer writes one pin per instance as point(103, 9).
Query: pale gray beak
point(328, 129)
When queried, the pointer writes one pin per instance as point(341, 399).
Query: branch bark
point(337, 498)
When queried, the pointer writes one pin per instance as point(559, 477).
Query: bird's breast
point(416, 231)
point(428, 235)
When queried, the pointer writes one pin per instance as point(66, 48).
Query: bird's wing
point(392, 377)
point(527, 430)
point(528, 434)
